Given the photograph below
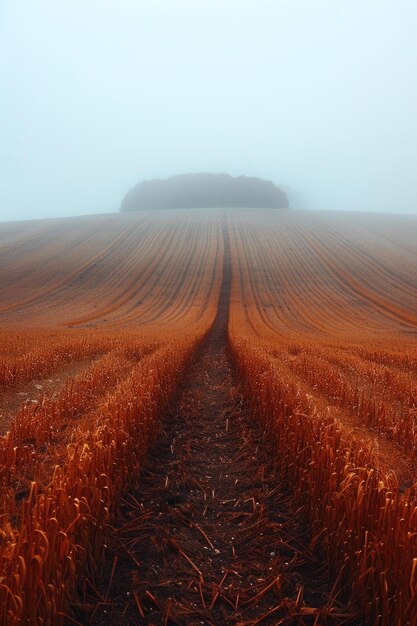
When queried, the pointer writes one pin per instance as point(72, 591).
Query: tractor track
point(211, 536)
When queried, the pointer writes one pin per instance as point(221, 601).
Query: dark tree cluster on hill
point(188, 191)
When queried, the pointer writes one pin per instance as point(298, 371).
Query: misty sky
point(96, 95)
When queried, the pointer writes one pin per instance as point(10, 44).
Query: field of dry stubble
point(209, 417)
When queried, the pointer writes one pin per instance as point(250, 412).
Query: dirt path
point(211, 538)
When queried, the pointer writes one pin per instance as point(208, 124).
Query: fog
point(317, 95)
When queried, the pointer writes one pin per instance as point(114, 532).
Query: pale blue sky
point(95, 95)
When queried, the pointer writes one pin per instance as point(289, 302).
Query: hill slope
point(291, 339)
point(315, 272)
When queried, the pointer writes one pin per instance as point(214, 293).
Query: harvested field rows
point(130, 270)
point(298, 414)
point(323, 328)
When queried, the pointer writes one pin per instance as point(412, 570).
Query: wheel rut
point(210, 537)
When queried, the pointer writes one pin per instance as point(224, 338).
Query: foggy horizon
point(318, 97)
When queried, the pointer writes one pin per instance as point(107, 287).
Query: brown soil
point(211, 538)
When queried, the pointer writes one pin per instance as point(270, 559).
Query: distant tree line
point(188, 191)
